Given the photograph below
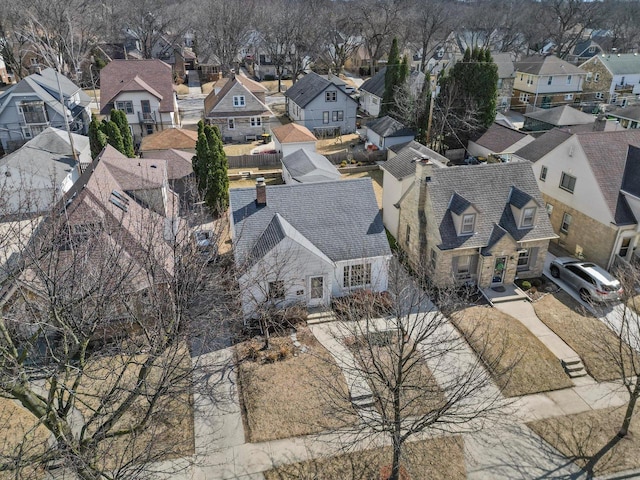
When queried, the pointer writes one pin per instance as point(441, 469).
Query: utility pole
point(429, 121)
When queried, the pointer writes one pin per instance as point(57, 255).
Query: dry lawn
point(182, 89)
point(440, 458)
point(20, 433)
point(170, 431)
point(583, 434)
point(337, 144)
point(592, 340)
point(376, 176)
point(207, 87)
point(272, 85)
point(239, 148)
point(251, 182)
point(288, 398)
point(518, 362)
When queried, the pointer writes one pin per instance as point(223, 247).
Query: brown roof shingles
point(293, 133)
point(177, 138)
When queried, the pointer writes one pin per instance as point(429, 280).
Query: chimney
point(261, 192)
point(600, 123)
point(424, 169)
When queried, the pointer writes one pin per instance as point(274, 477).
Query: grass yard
point(251, 182)
point(339, 144)
point(583, 434)
point(592, 340)
point(182, 89)
point(518, 362)
point(288, 398)
point(207, 87)
point(272, 85)
point(440, 458)
point(239, 148)
point(376, 176)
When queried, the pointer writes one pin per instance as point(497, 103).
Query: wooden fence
point(273, 159)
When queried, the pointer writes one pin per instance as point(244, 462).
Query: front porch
point(503, 293)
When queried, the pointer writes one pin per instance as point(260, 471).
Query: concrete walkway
point(193, 82)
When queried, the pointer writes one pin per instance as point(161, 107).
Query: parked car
point(591, 281)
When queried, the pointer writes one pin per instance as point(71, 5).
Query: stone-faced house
point(483, 224)
point(320, 105)
point(612, 78)
point(300, 244)
point(143, 90)
point(240, 114)
point(589, 185)
point(506, 77)
point(545, 82)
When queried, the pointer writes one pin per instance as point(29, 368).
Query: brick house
point(546, 82)
point(238, 109)
point(589, 185)
point(484, 224)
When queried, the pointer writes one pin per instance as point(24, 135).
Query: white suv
point(592, 282)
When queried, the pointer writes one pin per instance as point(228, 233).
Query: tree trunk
point(628, 415)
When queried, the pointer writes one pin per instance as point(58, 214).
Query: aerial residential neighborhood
point(334, 239)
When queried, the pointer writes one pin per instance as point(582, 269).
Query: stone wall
point(603, 85)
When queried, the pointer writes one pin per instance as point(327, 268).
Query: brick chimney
point(261, 192)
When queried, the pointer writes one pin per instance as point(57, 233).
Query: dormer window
point(528, 216)
point(468, 223)
point(238, 101)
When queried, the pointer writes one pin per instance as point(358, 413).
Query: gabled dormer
point(464, 215)
point(524, 208)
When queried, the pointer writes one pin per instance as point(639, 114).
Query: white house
point(386, 132)
point(372, 91)
point(307, 243)
point(143, 89)
point(398, 175)
point(292, 137)
point(499, 140)
point(304, 166)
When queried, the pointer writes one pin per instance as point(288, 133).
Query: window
point(549, 208)
point(568, 79)
point(325, 117)
point(434, 259)
point(592, 49)
point(543, 173)
point(334, 116)
point(256, 121)
point(331, 96)
point(528, 216)
point(149, 129)
point(462, 266)
point(33, 112)
point(624, 247)
point(523, 260)
point(568, 96)
point(599, 96)
point(126, 107)
point(238, 101)
point(596, 77)
point(521, 76)
point(500, 82)
point(231, 123)
point(375, 100)
point(468, 223)
point(407, 235)
point(589, 76)
point(529, 80)
point(566, 223)
point(337, 116)
point(276, 290)
point(357, 275)
point(568, 182)
point(549, 80)
point(524, 97)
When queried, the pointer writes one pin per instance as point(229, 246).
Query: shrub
point(360, 301)
point(526, 285)
point(359, 164)
point(271, 356)
point(536, 282)
point(353, 162)
point(268, 78)
point(343, 163)
point(284, 352)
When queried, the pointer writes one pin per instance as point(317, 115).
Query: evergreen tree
point(202, 149)
point(391, 78)
point(425, 106)
point(403, 73)
point(120, 119)
point(114, 138)
point(97, 138)
point(210, 166)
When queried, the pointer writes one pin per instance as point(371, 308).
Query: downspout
point(613, 250)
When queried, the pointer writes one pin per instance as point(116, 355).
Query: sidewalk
point(193, 82)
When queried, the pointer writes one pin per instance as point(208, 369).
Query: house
point(372, 91)
point(359, 61)
point(499, 140)
point(240, 114)
point(171, 138)
point(385, 132)
point(506, 78)
point(33, 104)
point(563, 116)
point(179, 167)
point(484, 224)
point(625, 117)
point(307, 243)
point(36, 175)
point(584, 50)
point(612, 78)
point(143, 89)
point(305, 166)
point(321, 106)
point(398, 175)
point(546, 82)
point(587, 180)
point(292, 137)
point(5, 77)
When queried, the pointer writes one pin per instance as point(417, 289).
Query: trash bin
point(266, 138)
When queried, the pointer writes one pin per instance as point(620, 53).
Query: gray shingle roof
point(631, 179)
point(621, 64)
point(549, 65)
point(504, 61)
point(488, 188)
point(340, 218)
point(388, 127)
point(404, 163)
point(309, 87)
point(542, 145)
point(375, 85)
point(562, 116)
point(458, 204)
point(306, 166)
point(499, 138)
point(518, 198)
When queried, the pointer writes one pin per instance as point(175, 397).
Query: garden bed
point(537, 288)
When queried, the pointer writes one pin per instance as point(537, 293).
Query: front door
point(499, 268)
point(316, 291)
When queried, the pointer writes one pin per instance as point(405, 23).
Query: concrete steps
point(320, 316)
point(574, 367)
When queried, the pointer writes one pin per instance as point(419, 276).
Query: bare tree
point(342, 37)
point(431, 21)
point(410, 370)
point(98, 308)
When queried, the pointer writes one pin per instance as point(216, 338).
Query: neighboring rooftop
point(549, 65)
point(179, 163)
point(404, 163)
point(375, 84)
point(499, 138)
point(305, 166)
point(506, 66)
point(307, 88)
point(293, 133)
point(388, 127)
point(562, 116)
point(621, 63)
point(177, 138)
point(544, 144)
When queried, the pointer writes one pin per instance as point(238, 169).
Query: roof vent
point(154, 166)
